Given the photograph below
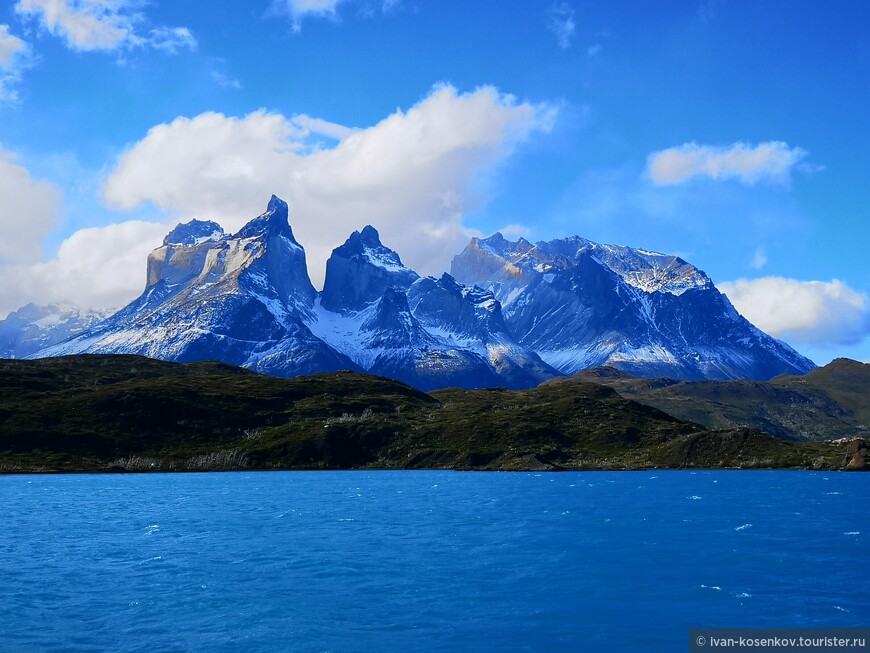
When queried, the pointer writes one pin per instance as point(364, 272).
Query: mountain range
point(510, 314)
point(32, 328)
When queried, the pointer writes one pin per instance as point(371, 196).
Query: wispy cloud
point(310, 125)
point(818, 313)
point(594, 50)
point(560, 21)
point(515, 231)
point(171, 39)
point(770, 162)
point(759, 259)
point(299, 9)
point(13, 58)
point(225, 81)
point(104, 25)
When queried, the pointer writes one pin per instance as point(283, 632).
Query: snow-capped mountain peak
point(582, 304)
point(275, 221)
point(361, 270)
point(645, 270)
point(32, 328)
point(243, 298)
point(194, 232)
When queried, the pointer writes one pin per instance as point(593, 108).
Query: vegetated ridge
point(130, 413)
point(829, 402)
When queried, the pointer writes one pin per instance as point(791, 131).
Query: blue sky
point(732, 133)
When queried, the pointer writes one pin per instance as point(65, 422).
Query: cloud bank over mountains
point(414, 175)
point(29, 211)
point(96, 267)
point(818, 313)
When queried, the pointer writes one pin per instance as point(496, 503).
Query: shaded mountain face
point(512, 314)
point(430, 333)
point(580, 304)
point(360, 271)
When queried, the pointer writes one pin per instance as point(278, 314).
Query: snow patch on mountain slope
point(342, 332)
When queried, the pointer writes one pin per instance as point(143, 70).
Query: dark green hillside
point(830, 402)
point(127, 413)
point(844, 381)
point(103, 408)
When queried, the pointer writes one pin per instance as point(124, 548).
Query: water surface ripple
point(425, 561)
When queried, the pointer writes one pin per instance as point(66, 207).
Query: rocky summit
point(511, 314)
point(580, 304)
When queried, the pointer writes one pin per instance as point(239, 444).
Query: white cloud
point(94, 268)
point(560, 21)
point(759, 259)
point(29, 211)
point(770, 162)
point(515, 231)
point(13, 57)
point(818, 313)
point(99, 267)
point(10, 47)
point(413, 175)
point(299, 9)
point(103, 25)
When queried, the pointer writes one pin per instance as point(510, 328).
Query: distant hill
point(130, 413)
point(32, 328)
point(828, 403)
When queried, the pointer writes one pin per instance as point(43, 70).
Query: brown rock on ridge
point(857, 458)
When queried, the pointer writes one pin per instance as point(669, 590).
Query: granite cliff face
point(242, 299)
point(360, 271)
point(512, 314)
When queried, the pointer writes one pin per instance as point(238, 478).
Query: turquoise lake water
point(425, 561)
